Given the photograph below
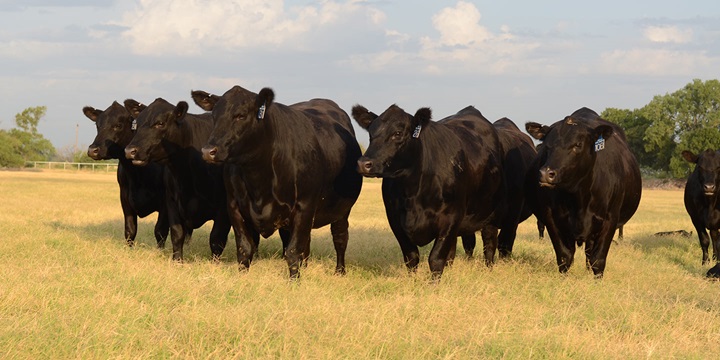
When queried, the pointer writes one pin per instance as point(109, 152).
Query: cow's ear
point(689, 156)
point(263, 101)
point(423, 116)
point(363, 116)
point(605, 131)
point(180, 110)
point(134, 107)
point(537, 131)
point(204, 100)
point(92, 113)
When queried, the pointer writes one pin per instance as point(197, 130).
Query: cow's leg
point(411, 254)
point(245, 247)
point(439, 254)
point(129, 216)
point(704, 240)
point(564, 254)
point(506, 239)
point(219, 234)
point(620, 232)
point(301, 226)
point(489, 235)
point(162, 228)
point(469, 241)
point(541, 229)
point(601, 246)
point(715, 236)
point(714, 272)
point(339, 230)
point(285, 238)
point(130, 228)
point(451, 254)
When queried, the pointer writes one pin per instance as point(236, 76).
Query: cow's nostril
point(551, 175)
point(368, 165)
point(130, 153)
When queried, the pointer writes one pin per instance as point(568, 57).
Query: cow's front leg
point(245, 247)
point(162, 228)
point(439, 254)
point(301, 226)
point(600, 246)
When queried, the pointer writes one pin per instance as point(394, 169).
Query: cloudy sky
point(526, 60)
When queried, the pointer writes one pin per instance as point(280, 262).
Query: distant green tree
point(687, 119)
point(10, 151)
point(24, 141)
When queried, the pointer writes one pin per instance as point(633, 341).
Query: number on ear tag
point(416, 133)
point(133, 127)
point(599, 144)
point(261, 112)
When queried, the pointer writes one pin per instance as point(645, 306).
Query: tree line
point(657, 133)
point(687, 119)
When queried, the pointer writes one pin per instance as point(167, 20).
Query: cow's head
point(114, 131)
point(158, 122)
point(238, 117)
point(394, 136)
point(708, 169)
point(568, 151)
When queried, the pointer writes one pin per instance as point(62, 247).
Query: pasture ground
point(70, 288)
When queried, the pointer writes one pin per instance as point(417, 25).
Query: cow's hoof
point(714, 272)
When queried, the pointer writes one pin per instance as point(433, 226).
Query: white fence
point(71, 165)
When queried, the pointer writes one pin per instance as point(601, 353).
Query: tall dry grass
point(70, 288)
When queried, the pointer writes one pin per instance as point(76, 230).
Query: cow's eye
point(397, 135)
point(160, 124)
point(118, 127)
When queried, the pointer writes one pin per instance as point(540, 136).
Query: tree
point(687, 119)
point(24, 142)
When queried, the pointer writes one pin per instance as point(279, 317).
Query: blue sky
point(526, 60)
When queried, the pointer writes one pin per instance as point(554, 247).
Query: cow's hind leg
point(489, 235)
point(469, 241)
point(715, 236)
point(339, 230)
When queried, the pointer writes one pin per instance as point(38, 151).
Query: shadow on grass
point(679, 250)
point(371, 251)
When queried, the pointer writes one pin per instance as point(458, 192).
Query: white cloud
point(668, 34)
point(188, 27)
point(656, 62)
point(460, 25)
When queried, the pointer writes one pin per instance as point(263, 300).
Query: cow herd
point(258, 166)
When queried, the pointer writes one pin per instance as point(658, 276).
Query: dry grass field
point(70, 288)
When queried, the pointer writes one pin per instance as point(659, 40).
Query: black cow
point(702, 200)
point(440, 179)
point(168, 135)
point(518, 153)
point(141, 188)
point(583, 184)
point(290, 168)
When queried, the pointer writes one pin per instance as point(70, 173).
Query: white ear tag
point(416, 133)
point(261, 112)
point(133, 127)
point(599, 144)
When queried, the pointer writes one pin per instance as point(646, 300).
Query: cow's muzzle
point(209, 154)
point(548, 177)
point(94, 152)
point(365, 167)
point(709, 189)
point(131, 154)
